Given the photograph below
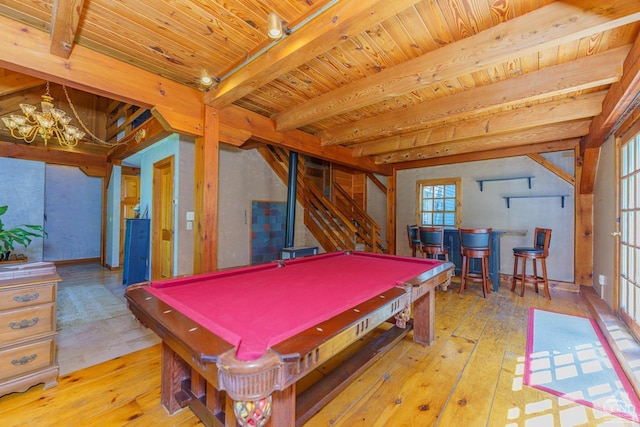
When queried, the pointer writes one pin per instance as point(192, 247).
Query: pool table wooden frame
point(200, 369)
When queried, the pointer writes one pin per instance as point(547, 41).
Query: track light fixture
point(275, 26)
point(207, 80)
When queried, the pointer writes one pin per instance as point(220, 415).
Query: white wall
point(377, 206)
point(244, 177)
point(114, 193)
point(182, 194)
point(604, 221)
point(68, 199)
point(23, 191)
point(488, 208)
point(73, 207)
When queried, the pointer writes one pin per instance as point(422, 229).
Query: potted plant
point(21, 235)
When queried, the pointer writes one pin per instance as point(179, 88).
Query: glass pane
point(438, 205)
point(438, 219)
point(632, 193)
point(624, 161)
point(450, 205)
point(427, 205)
point(449, 219)
point(438, 191)
point(450, 191)
point(427, 219)
point(624, 191)
point(427, 191)
point(632, 158)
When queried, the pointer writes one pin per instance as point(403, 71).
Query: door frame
point(161, 208)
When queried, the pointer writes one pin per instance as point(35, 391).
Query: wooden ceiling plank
point(263, 129)
point(546, 27)
point(523, 150)
point(563, 110)
point(584, 73)
point(508, 140)
point(620, 95)
point(65, 16)
point(95, 73)
point(321, 34)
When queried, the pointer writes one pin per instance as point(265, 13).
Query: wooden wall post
point(583, 226)
point(207, 158)
point(392, 182)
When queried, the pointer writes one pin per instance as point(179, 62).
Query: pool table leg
point(284, 407)
point(424, 309)
point(174, 371)
point(283, 412)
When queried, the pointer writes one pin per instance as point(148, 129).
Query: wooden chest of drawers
point(28, 327)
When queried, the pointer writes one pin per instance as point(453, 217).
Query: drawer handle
point(24, 360)
point(26, 297)
point(25, 323)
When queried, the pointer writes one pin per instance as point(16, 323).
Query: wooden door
point(129, 199)
point(162, 220)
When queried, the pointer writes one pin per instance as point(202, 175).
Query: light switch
point(189, 225)
point(190, 216)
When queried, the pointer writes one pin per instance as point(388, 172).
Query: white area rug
point(87, 303)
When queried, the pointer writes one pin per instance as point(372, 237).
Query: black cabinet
point(452, 241)
point(136, 251)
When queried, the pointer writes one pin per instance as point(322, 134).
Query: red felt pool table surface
point(254, 308)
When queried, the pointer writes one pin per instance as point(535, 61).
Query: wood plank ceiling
point(406, 83)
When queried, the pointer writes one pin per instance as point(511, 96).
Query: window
point(629, 250)
point(439, 202)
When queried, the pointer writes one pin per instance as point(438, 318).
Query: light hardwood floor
point(471, 376)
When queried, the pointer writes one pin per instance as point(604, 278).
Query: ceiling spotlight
point(206, 79)
point(274, 26)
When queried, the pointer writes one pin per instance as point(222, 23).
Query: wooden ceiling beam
point(147, 134)
point(563, 110)
point(501, 153)
point(552, 167)
point(17, 82)
point(543, 28)
point(581, 74)
point(87, 70)
point(322, 33)
point(554, 132)
point(619, 96)
point(263, 129)
point(65, 16)
point(16, 150)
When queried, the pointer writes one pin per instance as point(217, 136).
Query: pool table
point(234, 342)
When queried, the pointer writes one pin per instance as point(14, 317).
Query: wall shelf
point(561, 196)
point(482, 181)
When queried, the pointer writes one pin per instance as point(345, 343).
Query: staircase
point(341, 225)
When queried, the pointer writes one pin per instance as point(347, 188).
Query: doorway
point(162, 220)
point(130, 198)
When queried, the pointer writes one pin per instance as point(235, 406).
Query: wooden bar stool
point(432, 242)
point(414, 238)
point(539, 251)
point(475, 243)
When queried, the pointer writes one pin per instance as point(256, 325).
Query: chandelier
point(48, 123)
